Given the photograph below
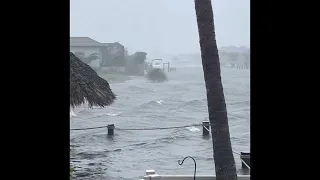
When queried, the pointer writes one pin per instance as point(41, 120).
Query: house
point(85, 46)
point(110, 54)
point(113, 55)
point(235, 56)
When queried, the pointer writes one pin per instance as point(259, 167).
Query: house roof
point(84, 41)
point(107, 44)
point(112, 44)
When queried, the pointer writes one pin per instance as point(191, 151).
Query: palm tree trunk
point(222, 151)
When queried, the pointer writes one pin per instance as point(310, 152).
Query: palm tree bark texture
point(222, 151)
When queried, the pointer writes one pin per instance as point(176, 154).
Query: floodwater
point(141, 104)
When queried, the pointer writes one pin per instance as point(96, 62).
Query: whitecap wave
point(193, 129)
point(72, 114)
point(113, 114)
point(159, 102)
point(107, 114)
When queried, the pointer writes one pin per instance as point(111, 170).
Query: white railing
point(151, 175)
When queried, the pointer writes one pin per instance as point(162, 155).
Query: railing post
point(110, 129)
point(205, 128)
point(246, 158)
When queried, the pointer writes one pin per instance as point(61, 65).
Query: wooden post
point(205, 128)
point(246, 158)
point(110, 129)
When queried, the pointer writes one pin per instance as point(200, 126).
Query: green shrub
point(71, 173)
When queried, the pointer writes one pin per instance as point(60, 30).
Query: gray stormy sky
point(158, 26)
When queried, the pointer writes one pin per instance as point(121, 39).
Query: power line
point(158, 128)
point(154, 128)
point(138, 129)
point(236, 153)
point(78, 129)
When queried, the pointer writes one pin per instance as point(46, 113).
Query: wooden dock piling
point(110, 129)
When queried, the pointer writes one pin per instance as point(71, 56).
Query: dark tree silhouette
point(222, 151)
point(156, 75)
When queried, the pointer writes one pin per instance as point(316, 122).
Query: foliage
point(88, 59)
point(157, 75)
point(71, 172)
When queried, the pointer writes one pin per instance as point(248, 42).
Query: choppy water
point(140, 104)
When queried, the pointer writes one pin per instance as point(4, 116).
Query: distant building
point(234, 57)
point(85, 46)
point(113, 55)
point(110, 54)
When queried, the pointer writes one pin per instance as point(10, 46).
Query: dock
point(151, 175)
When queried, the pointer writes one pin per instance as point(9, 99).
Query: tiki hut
point(87, 86)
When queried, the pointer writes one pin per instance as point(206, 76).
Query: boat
point(156, 64)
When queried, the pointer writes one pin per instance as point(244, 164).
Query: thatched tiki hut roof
point(87, 86)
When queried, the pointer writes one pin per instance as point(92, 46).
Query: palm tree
point(87, 60)
point(222, 151)
point(93, 57)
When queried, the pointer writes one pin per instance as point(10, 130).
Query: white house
point(111, 55)
point(86, 46)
